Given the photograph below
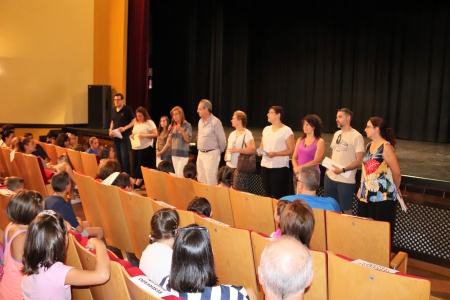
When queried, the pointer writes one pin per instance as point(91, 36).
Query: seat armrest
point(400, 262)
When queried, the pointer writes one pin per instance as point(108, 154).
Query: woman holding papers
point(310, 148)
point(180, 135)
point(144, 131)
point(381, 175)
point(277, 144)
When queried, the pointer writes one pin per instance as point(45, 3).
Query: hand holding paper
point(330, 165)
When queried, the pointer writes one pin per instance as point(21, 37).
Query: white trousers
point(207, 166)
point(178, 164)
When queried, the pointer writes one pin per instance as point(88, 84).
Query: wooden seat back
point(155, 184)
point(35, 170)
point(252, 212)
point(115, 287)
point(180, 191)
point(19, 160)
point(60, 151)
point(75, 160)
point(233, 254)
point(219, 198)
point(51, 152)
point(72, 259)
point(347, 280)
point(111, 210)
point(89, 201)
point(90, 165)
point(359, 238)
point(138, 213)
point(3, 166)
point(186, 217)
point(12, 168)
point(4, 220)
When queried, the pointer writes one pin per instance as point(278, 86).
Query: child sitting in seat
point(201, 206)
point(61, 185)
point(277, 215)
point(44, 256)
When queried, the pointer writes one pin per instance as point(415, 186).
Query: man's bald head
point(285, 270)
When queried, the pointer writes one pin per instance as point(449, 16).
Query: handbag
point(246, 162)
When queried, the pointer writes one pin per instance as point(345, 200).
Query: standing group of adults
point(381, 174)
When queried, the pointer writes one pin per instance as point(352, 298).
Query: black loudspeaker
point(99, 106)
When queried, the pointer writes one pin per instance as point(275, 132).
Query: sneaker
point(75, 201)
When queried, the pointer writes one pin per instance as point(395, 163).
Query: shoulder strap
point(243, 140)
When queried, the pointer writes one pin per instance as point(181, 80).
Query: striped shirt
point(219, 292)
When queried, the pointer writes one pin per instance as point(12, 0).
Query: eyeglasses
point(338, 140)
point(370, 126)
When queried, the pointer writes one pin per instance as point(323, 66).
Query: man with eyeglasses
point(348, 151)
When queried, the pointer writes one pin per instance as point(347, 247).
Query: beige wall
point(51, 50)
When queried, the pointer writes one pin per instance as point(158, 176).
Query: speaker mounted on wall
point(99, 106)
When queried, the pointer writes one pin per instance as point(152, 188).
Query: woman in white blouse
point(142, 139)
point(239, 141)
point(276, 145)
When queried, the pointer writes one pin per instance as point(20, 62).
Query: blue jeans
point(122, 148)
point(341, 192)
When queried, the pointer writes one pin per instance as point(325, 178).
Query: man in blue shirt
point(307, 185)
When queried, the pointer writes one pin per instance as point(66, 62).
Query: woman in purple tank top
point(310, 148)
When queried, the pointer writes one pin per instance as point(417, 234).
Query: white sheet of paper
point(374, 266)
point(150, 286)
point(116, 133)
point(261, 151)
point(402, 202)
point(136, 142)
point(328, 163)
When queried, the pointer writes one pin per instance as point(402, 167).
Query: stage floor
point(419, 159)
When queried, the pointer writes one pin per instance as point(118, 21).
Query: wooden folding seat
point(142, 288)
point(138, 213)
point(19, 160)
point(3, 166)
point(90, 165)
point(12, 168)
point(219, 198)
point(155, 184)
point(4, 220)
point(318, 288)
point(111, 210)
point(348, 280)
point(89, 201)
point(252, 212)
point(180, 191)
point(60, 151)
point(361, 238)
point(35, 169)
point(115, 287)
point(233, 254)
point(75, 160)
point(51, 152)
point(72, 259)
point(158, 205)
point(186, 217)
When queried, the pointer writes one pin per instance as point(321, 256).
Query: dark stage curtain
point(378, 58)
point(138, 53)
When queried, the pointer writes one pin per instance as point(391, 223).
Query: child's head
point(297, 220)
point(24, 206)
point(122, 180)
point(14, 183)
point(190, 171)
point(60, 182)
point(93, 143)
point(107, 167)
point(105, 152)
point(164, 224)
point(201, 206)
point(166, 166)
point(45, 243)
point(225, 176)
point(279, 210)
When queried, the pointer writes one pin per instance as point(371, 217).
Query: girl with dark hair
point(142, 142)
point(163, 134)
point(62, 140)
point(21, 210)
point(225, 177)
point(277, 212)
point(164, 227)
point(43, 257)
point(297, 220)
point(193, 274)
point(277, 144)
point(106, 152)
point(381, 175)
